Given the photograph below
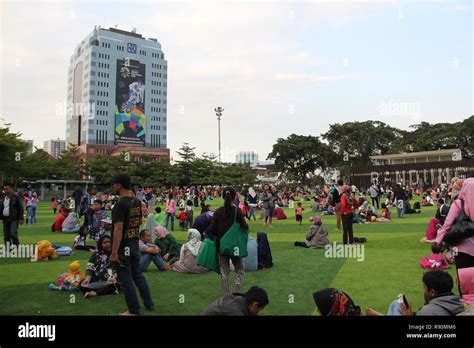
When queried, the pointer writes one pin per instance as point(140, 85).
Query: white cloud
point(252, 58)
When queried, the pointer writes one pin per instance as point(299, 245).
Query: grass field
point(391, 266)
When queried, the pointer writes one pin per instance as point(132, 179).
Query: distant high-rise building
point(247, 157)
point(54, 147)
point(117, 95)
point(29, 150)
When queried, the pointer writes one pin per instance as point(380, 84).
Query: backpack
point(417, 205)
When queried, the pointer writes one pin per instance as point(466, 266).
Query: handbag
point(462, 228)
point(234, 241)
point(207, 257)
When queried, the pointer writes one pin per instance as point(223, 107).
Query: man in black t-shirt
point(126, 221)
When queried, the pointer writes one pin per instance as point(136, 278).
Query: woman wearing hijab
point(150, 224)
point(464, 257)
point(317, 236)
point(169, 247)
point(100, 276)
point(348, 205)
point(187, 262)
point(334, 302)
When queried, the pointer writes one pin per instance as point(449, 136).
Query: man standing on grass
point(126, 220)
point(336, 196)
point(12, 214)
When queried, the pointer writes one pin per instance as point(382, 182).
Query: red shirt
point(58, 223)
point(346, 206)
point(182, 216)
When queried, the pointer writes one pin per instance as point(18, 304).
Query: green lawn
point(391, 266)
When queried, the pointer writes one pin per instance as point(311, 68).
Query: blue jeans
point(145, 260)
point(400, 211)
point(31, 211)
point(252, 213)
point(71, 230)
point(168, 217)
point(128, 272)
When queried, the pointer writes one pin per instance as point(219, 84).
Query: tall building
point(117, 95)
point(54, 147)
point(250, 157)
point(29, 142)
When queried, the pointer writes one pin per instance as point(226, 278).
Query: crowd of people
point(127, 230)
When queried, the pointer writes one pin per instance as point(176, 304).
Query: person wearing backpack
point(464, 256)
point(222, 220)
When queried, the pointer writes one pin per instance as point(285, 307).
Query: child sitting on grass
point(299, 212)
point(80, 240)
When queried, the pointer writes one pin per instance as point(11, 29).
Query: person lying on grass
point(150, 252)
point(439, 299)
point(237, 304)
point(100, 276)
point(317, 236)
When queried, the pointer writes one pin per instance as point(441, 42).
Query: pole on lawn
point(219, 110)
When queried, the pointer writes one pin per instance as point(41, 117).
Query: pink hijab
point(466, 281)
point(161, 232)
point(467, 194)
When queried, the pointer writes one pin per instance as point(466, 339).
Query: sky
point(276, 68)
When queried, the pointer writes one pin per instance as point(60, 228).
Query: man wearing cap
point(126, 220)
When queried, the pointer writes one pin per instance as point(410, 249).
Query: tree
point(427, 137)
point(299, 156)
point(186, 165)
point(39, 165)
point(12, 154)
point(355, 142)
point(103, 168)
point(70, 165)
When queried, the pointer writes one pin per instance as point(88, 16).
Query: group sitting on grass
point(169, 255)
